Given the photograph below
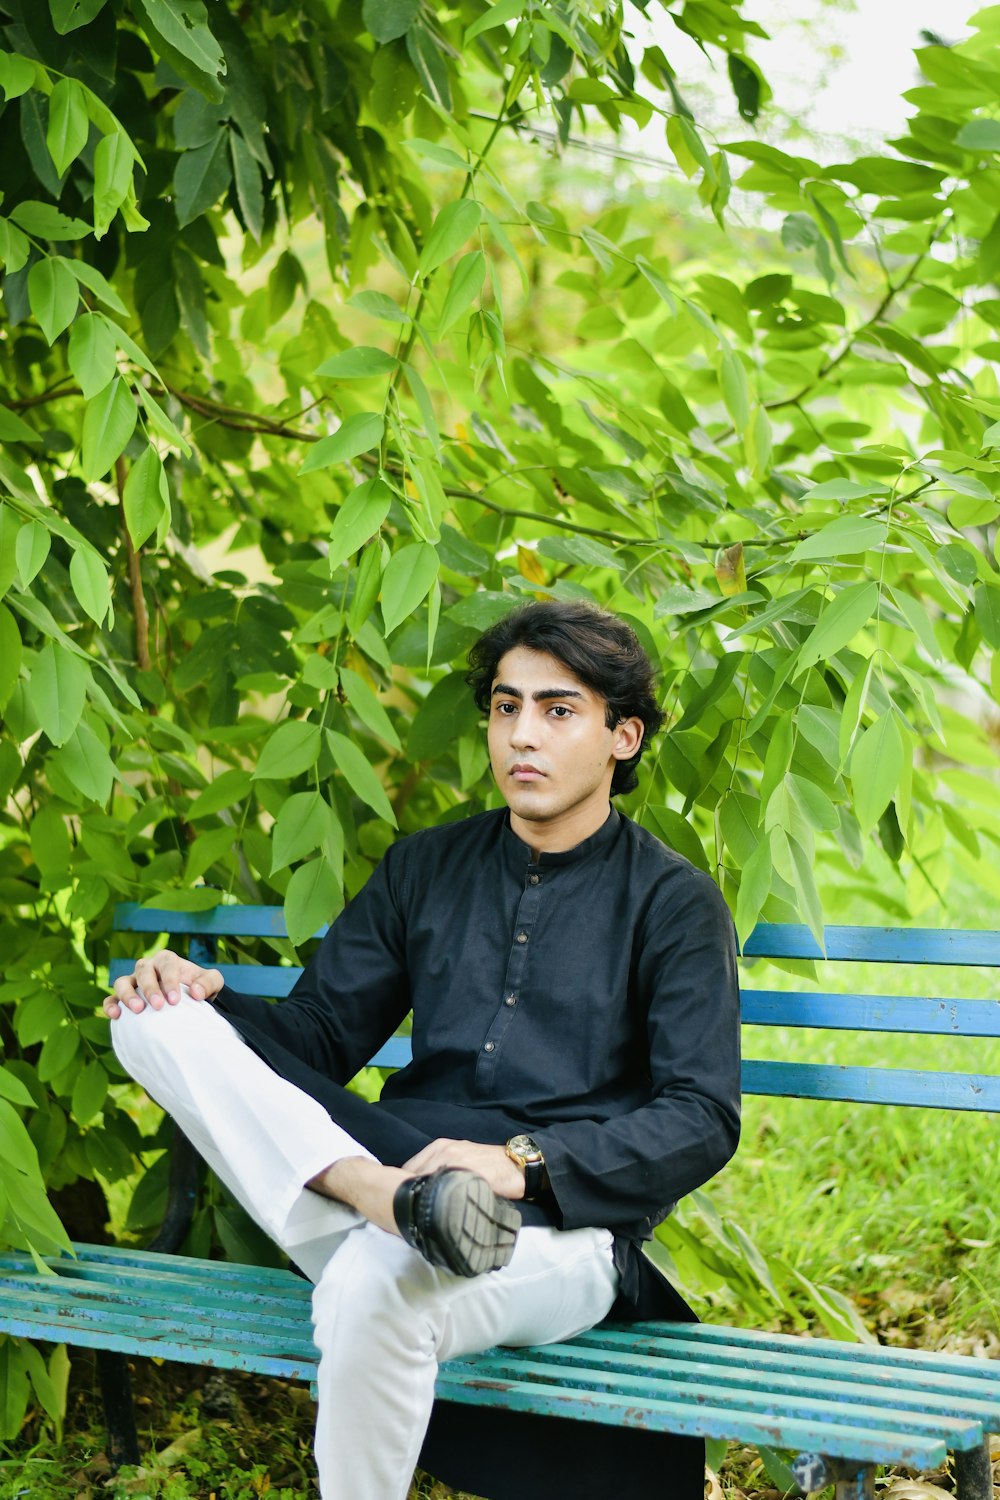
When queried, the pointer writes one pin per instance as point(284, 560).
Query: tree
point(281, 289)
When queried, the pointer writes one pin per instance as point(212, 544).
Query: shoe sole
point(479, 1228)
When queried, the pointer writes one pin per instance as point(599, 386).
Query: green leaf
point(358, 363)
point(842, 489)
point(85, 764)
point(249, 187)
point(406, 582)
point(92, 353)
point(89, 1092)
point(839, 538)
point(146, 497)
point(57, 691)
point(449, 232)
point(17, 74)
point(14, 429)
point(160, 422)
point(31, 549)
point(45, 222)
point(755, 884)
point(292, 749)
point(113, 163)
point(180, 29)
point(108, 423)
point(979, 135)
point(96, 283)
point(232, 786)
point(69, 124)
point(379, 305)
point(357, 434)
point(447, 713)
point(388, 19)
point(875, 768)
point(11, 653)
point(53, 295)
point(13, 1089)
point(299, 828)
point(359, 775)
point(91, 583)
point(794, 863)
point(463, 289)
point(311, 900)
point(987, 599)
point(367, 707)
point(966, 510)
point(201, 177)
point(67, 15)
point(678, 834)
point(360, 516)
point(854, 707)
point(496, 15)
point(735, 390)
point(15, 247)
point(839, 623)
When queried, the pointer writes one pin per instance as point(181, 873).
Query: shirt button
point(534, 879)
point(490, 1047)
point(511, 1000)
point(522, 937)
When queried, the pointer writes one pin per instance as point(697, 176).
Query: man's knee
point(173, 1029)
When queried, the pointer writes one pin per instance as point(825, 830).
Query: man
point(575, 1052)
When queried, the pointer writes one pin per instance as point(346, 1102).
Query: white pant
point(383, 1318)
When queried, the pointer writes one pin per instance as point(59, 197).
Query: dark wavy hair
point(599, 649)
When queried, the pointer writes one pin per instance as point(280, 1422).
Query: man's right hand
point(157, 982)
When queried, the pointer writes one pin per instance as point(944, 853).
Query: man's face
point(551, 750)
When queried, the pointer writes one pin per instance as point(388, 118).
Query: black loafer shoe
point(455, 1220)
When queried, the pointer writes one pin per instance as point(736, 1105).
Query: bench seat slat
point(964, 1091)
point(924, 1015)
point(796, 1405)
point(755, 1338)
point(702, 1420)
point(638, 1344)
point(169, 1302)
point(841, 1386)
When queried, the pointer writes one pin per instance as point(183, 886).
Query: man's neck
point(561, 833)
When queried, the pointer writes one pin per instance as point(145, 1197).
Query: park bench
point(842, 1408)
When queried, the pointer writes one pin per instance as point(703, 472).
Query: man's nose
point(526, 730)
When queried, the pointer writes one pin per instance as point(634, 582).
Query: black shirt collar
point(595, 844)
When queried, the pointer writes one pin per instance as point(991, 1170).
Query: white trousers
point(383, 1318)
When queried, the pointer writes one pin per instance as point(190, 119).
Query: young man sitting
point(575, 1071)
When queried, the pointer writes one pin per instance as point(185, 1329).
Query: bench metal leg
point(119, 1414)
point(974, 1473)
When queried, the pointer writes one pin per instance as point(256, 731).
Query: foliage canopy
point(318, 353)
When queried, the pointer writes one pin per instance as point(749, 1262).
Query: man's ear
point(627, 738)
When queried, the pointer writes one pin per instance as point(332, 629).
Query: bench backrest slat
point(966, 1091)
point(921, 1015)
point(887, 945)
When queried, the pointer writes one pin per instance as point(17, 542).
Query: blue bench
point(842, 1408)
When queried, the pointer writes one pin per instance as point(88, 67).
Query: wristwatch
point(523, 1150)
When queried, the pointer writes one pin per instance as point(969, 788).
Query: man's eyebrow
point(542, 696)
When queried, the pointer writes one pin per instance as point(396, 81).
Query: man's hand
point(492, 1162)
point(157, 982)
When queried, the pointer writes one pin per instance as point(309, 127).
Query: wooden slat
point(964, 1091)
point(880, 945)
point(220, 921)
point(252, 979)
point(923, 1015)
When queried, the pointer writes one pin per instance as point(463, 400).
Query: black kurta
point(589, 998)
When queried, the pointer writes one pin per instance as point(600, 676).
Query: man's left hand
point(504, 1176)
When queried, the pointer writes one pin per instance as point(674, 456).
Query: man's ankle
point(364, 1185)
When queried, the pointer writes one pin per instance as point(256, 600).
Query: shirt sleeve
point(634, 1168)
point(354, 992)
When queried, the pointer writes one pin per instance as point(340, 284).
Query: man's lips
point(524, 772)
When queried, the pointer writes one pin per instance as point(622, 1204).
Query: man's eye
point(505, 709)
point(561, 711)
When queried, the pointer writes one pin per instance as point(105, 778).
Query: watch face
point(523, 1146)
